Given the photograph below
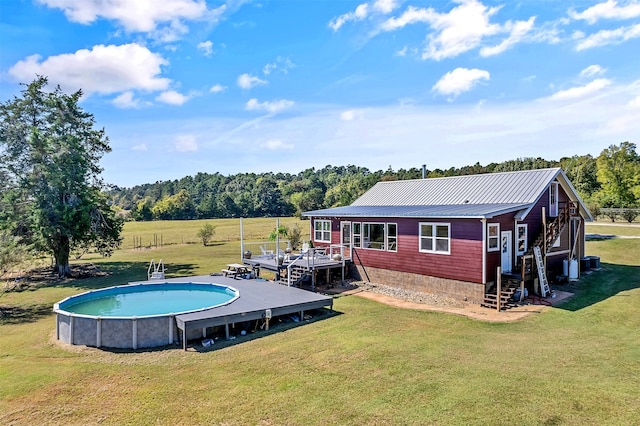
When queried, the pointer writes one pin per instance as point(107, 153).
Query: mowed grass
point(370, 364)
point(620, 229)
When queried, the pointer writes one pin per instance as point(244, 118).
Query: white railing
point(314, 256)
point(267, 249)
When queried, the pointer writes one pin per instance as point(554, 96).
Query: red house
point(448, 235)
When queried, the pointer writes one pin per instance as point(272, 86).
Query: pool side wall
point(124, 333)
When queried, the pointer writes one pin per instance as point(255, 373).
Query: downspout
point(484, 250)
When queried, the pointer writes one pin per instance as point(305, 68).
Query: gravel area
point(408, 295)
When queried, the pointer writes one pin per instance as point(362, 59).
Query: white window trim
point(322, 231)
point(357, 236)
point(366, 225)
point(434, 238)
point(495, 237)
point(387, 244)
point(526, 237)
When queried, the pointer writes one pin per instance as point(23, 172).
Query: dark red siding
point(463, 263)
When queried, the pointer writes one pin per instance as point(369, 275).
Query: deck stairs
point(506, 295)
point(298, 274)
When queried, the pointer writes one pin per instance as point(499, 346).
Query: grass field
point(370, 364)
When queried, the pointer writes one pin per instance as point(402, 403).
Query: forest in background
point(611, 180)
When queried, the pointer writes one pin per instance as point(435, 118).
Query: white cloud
point(606, 37)
point(270, 107)
point(206, 47)
point(266, 70)
point(455, 32)
point(103, 69)
point(607, 10)
point(126, 100)
point(281, 64)
point(163, 20)
point(592, 70)
point(460, 80)
point(358, 14)
point(246, 81)
point(363, 11)
point(185, 143)
point(140, 147)
point(217, 88)
point(581, 91)
point(276, 145)
point(517, 32)
point(352, 114)
point(385, 6)
point(463, 28)
point(172, 97)
point(634, 103)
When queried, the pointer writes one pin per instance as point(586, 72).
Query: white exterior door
point(345, 238)
point(506, 251)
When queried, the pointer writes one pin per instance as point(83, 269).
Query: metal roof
point(492, 188)
point(445, 211)
point(484, 195)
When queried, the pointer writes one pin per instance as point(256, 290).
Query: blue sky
point(188, 86)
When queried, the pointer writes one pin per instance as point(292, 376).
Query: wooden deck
point(257, 299)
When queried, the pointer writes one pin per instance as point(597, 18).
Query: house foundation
point(460, 290)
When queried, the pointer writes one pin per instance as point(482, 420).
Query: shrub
point(206, 233)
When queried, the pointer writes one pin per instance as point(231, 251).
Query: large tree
point(52, 192)
point(619, 175)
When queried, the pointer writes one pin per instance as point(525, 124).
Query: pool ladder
point(156, 271)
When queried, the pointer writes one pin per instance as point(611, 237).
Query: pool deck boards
point(256, 297)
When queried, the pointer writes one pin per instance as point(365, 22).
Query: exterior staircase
point(298, 274)
point(543, 243)
point(509, 286)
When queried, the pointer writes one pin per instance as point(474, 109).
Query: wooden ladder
point(545, 290)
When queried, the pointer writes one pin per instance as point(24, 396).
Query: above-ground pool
point(134, 316)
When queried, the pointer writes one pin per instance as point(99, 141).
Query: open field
point(621, 229)
point(371, 364)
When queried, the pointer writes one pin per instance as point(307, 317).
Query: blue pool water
point(148, 299)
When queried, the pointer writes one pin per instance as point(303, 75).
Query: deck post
point(184, 337)
point(499, 287)
point(241, 240)
point(226, 330)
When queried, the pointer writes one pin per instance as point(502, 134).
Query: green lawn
point(614, 229)
point(370, 364)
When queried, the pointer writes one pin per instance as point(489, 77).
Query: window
point(521, 233)
point(435, 238)
point(557, 242)
point(392, 237)
point(373, 236)
point(493, 237)
point(322, 231)
point(357, 235)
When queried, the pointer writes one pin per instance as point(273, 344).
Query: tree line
point(53, 200)
point(611, 179)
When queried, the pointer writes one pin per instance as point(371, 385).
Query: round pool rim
point(58, 307)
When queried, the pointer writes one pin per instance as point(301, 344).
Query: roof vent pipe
point(424, 171)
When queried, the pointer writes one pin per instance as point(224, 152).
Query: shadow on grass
point(89, 276)
point(23, 314)
point(599, 285)
point(257, 331)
